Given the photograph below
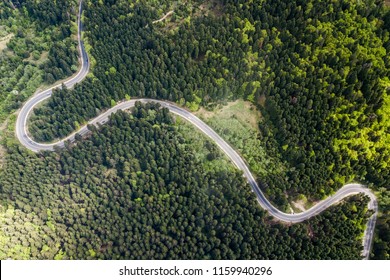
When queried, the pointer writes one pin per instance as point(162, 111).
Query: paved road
point(21, 122)
point(347, 190)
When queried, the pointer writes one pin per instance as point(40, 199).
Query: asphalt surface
point(347, 190)
point(21, 122)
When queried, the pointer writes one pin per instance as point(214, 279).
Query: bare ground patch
point(4, 40)
point(173, 20)
point(42, 58)
point(213, 7)
point(261, 100)
point(299, 205)
point(164, 17)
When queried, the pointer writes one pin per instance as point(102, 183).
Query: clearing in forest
point(243, 111)
point(238, 124)
point(4, 40)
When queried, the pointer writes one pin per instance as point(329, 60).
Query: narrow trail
point(345, 191)
point(164, 17)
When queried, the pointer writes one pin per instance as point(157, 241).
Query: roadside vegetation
point(238, 123)
point(315, 103)
point(318, 71)
point(205, 150)
point(36, 48)
point(136, 189)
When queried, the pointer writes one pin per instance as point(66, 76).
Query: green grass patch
point(237, 123)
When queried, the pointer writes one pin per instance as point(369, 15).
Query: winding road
point(29, 143)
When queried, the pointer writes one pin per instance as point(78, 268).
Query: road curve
point(21, 122)
point(347, 190)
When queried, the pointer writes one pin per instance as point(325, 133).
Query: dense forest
point(323, 95)
point(36, 46)
point(317, 70)
point(135, 190)
point(48, 13)
point(60, 15)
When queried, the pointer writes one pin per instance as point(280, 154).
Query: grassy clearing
point(237, 123)
point(244, 112)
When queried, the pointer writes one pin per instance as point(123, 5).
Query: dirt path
point(164, 17)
